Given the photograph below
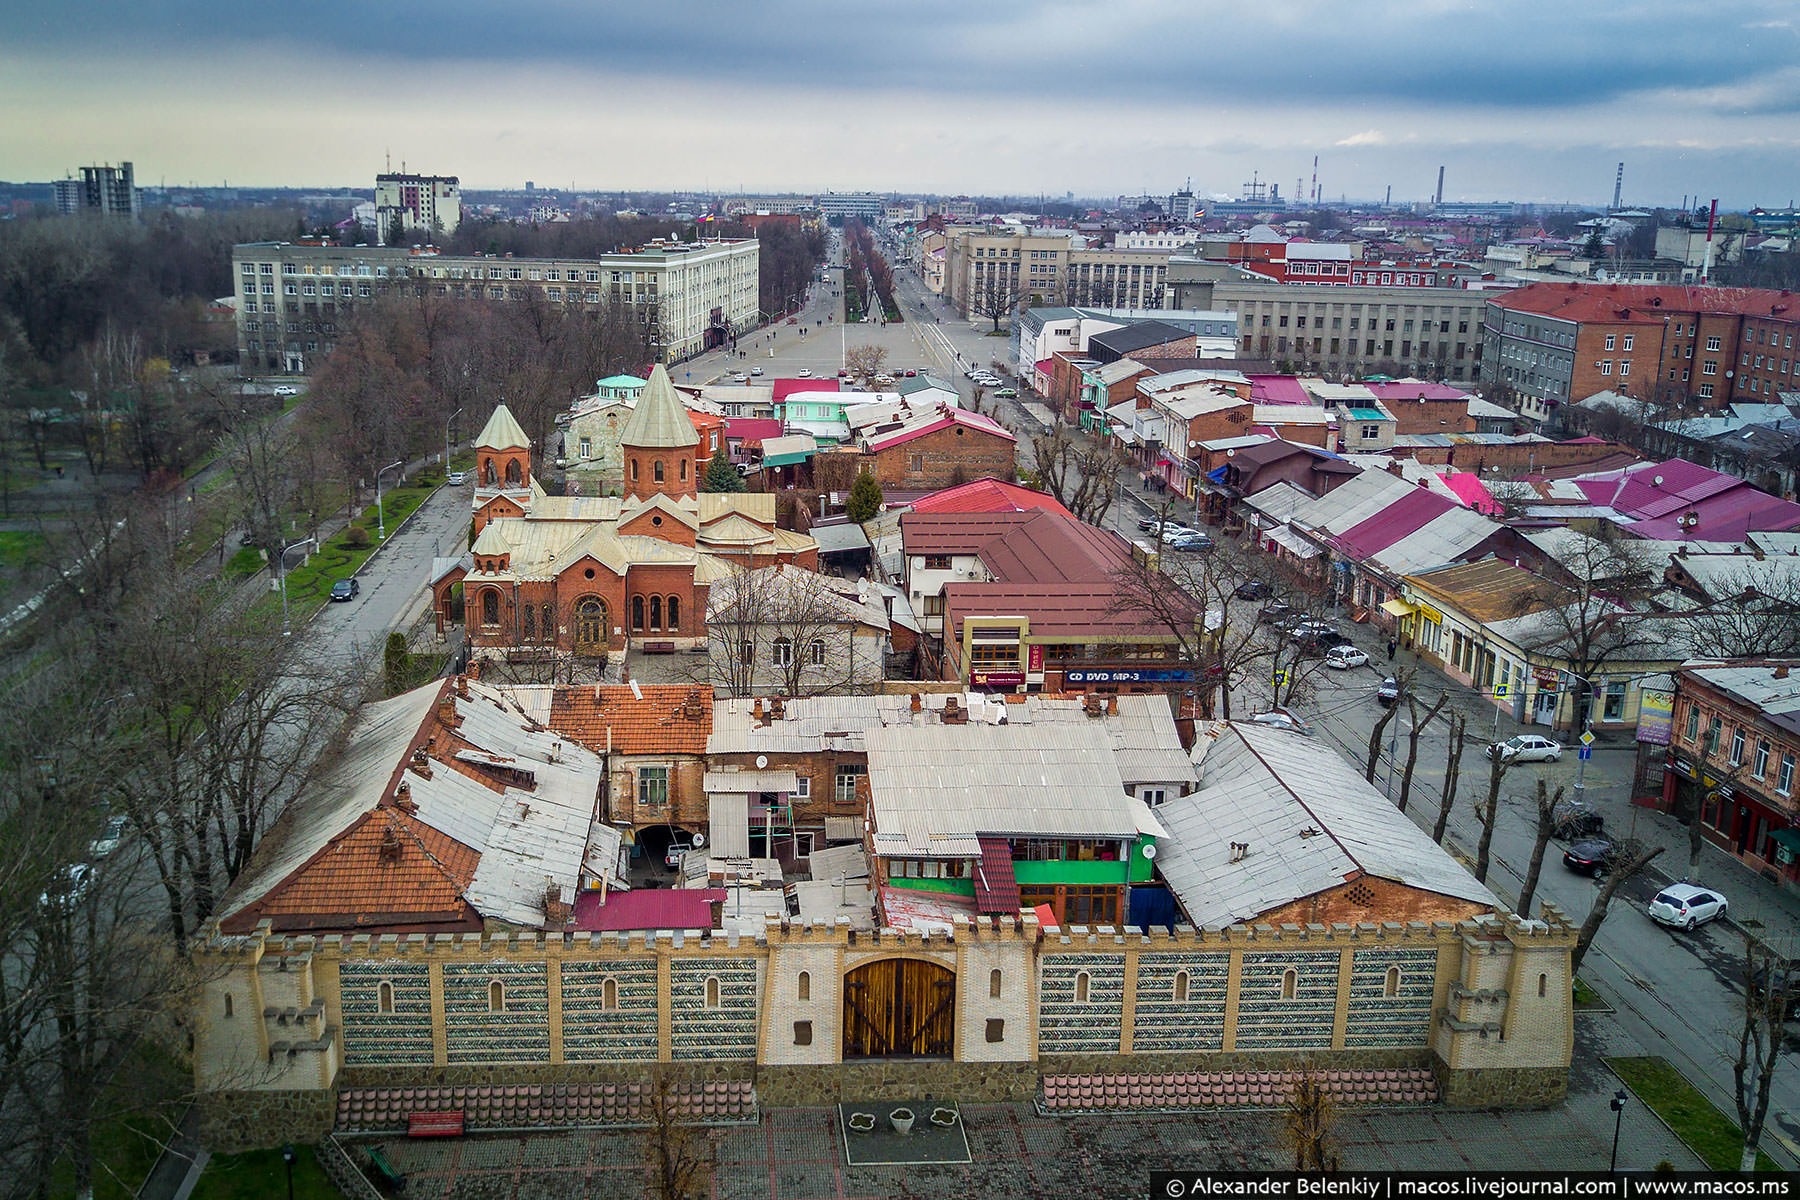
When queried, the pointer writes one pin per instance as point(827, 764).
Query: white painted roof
point(1311, 823)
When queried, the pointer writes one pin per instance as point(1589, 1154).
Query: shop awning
point(1787, 838)
point(1397, 608)
point(1293, 543)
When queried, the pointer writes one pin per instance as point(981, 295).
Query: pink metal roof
point(658, 908)
point(783, 388)
point(1408, 514)
point(752, 428)
point(1277, 389)
point(1472, 492)
point(952, 416)
point(988, 495)
point(1416, 389)
point(1724, 506)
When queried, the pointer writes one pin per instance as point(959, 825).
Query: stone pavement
point(797, 1154)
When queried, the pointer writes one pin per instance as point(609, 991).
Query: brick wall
point(943, 458)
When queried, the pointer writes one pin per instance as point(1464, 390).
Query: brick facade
point(943, 458)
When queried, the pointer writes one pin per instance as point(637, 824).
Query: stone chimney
point(556, 910)
point(421, 764)
point(446, 712)
point(1112, 706)
point(954, 713)
point(391, 846)
point(778, 708)
point(403, 798)
point(756, 711)
point(1090, 704)
point(918, 702)
point(1781, 672)
point(462, 686)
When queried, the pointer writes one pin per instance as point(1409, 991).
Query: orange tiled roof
point(670, 719)
point(386, 865)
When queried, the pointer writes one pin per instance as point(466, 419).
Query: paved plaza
point(797, 1154)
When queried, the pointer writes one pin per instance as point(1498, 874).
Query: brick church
point(589, 574)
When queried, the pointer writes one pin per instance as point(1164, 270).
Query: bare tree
point(1412, 740)
point(1756, 613)
point(1307, 1123)
point(1547, 804)
point(1459, 737)
point(864, 362)
point(260, 455)
point(789, 631)
point(677, 1150)
point(1632, 858)
point(1770, 994)
point(996, 299)
point(1487, 811)
point(1082, 472)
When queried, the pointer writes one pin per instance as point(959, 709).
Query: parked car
point(69, 886)
point(1274, 614)
point(1171, 532)
point(1007, 393)
point(740, 377)
point(345, 589)
point(109, 838)
point(1193, 543)
point(803, 373)
point(1784, 976)
point(912, 373)
point(1527, 747)
point(1590, 856)
point(1281, 718)
point(843, 374)
point(1309, 629)
point(756, 370)
point(1389, 692)
point(286, 389)
point(1250, 589)
point(1343, 658)
point(1686, 905)
point(457, 478)
point(680, 846)
point(1324, 643)
point(1572, 821)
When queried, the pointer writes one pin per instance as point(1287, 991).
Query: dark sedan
point(1591, 856)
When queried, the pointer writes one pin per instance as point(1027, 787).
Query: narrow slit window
point(385, 996)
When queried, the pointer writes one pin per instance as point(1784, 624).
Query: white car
point(1342, 658)
point(756, 370)
point(1281, 718)
point(69, 886)
point(457, 478)
point(1172, 532)
point(1685, 905)
point(1527, 747)
point(109, 840)
point(803, 373)
point(286, 389)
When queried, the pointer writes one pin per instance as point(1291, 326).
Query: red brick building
point(938, 448)
point(584, 575)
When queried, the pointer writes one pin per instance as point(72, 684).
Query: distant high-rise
point(429, 202)
point(107, 190)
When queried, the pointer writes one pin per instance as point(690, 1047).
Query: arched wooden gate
point(900, 1008)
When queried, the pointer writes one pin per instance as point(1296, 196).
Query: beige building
point(432, 203)
point(1332, 329)
point(292, 296)
point(1040, 268)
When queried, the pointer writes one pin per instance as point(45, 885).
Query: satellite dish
point(699, 840)
point(1657, 481)
point(1149, 851)
point(762, 760)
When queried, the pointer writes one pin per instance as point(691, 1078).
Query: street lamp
point(380, 513)
point(447, 426)
point(1618, 1107)
point(281, 574)
point(290, 1157)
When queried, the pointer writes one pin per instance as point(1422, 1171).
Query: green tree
point(720, 475)
point(1594, 248)
point(865, 498)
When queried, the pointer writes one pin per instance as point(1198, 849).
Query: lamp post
point(1618, 1107)
point(447, 426)
point(380, 513)
point(281, 574)
point(290, 1156)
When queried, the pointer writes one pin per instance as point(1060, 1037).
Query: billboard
point(1656, 717)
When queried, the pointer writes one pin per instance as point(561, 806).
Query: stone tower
point(502, 454)
point(658, 443)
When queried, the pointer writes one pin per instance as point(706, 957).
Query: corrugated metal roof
point(1310, 820)
point(750, 781)
point(937, 789)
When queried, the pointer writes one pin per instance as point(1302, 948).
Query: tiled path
point(794, 1154)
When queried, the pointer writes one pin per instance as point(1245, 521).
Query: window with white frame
point(1761, 766)
point(844, 782)
point(1784, 781)
point(653, 786)
point(1737, 746)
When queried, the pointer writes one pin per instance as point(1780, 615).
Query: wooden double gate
point(900, 1008)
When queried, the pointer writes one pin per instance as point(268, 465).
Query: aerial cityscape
point(723, 632)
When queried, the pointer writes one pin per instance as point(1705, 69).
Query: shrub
point(356, 537)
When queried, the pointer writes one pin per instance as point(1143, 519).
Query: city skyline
point(1535, 103)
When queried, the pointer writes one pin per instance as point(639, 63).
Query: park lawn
point(1695, 1119)
point(261, 1175)
point(124, 1148)
point(21, 548)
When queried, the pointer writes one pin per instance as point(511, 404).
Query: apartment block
point(428, 203)
point(294, 296)
point(108, 191)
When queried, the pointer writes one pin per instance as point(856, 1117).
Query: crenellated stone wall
point(1486, 1002)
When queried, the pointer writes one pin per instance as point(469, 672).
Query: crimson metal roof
point(657, 908)
point(1409, 513)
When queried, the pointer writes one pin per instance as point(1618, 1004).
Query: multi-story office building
point(432, 203)
point(107, 190)
point(868, 206)
point(293, 297)
point(1689, 347)
point(1034, 268)
point(1331, 329)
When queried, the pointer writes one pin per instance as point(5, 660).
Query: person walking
point(1392, 646)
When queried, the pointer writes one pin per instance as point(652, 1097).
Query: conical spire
point(659, 420)
point(502, 432)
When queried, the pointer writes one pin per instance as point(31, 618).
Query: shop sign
point(997, 678)
point(1034, 659)
point(1656, 717)
point(1146, 676)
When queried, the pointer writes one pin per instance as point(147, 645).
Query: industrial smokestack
point(1618, 186)
point(1712, 219)
point(1390, 196)
point(1440, 191)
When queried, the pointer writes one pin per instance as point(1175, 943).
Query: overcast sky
point(1520, 99)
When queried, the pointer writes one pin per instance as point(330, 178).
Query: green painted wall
point(1040, 874)
point(954, 887)
point(1141, 869)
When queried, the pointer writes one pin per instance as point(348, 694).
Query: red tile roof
point(386, 866)
point(783, 388)
point(996, 887)
point(655, 908)
point(987, 495)
point(1624, 303)
point(669, 719)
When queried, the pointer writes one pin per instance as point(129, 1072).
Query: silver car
point(1527, 747)
point(1686, 905)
